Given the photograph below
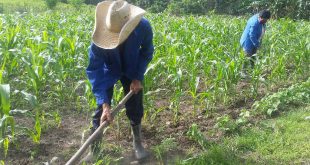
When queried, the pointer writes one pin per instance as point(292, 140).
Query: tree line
point(295, 9)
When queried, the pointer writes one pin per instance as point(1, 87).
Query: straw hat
point(115, 20)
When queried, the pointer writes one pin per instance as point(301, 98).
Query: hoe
point(98, 131)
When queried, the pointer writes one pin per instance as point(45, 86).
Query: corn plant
point(175, 102)
point(34, 133)
point(1, 72)
point(165, 145)
point(194, 93)
point(7, 123)
point(196, 135)
point(117, 96)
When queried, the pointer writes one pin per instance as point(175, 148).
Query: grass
point(9, 6)
point(282, 140)
point(32, 6)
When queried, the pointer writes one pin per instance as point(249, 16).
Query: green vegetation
point(284, 140)
point(280, 8)
point(297, 94)
point(51, 3)
point(7, 121)
point(37, 6)
point(163, 148)
point(9, 6)
point(197, 63)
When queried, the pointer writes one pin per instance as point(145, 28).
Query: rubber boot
point(140, 152)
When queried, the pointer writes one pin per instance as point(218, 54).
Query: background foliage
point(297, 9)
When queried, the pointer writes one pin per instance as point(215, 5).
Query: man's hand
point(135, 86)
point(106, 114)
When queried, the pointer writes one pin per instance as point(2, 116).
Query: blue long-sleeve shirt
point(250, 38)
point(130, 59)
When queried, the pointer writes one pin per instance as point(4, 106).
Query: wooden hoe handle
point(98, 131)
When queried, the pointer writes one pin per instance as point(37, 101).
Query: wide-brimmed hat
point(115, 20)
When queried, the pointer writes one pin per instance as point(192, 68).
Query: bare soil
point(58, 144)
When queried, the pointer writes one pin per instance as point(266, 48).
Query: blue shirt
point(130, 59)
point(250, 38)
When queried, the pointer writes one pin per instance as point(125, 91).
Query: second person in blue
point(253, 33)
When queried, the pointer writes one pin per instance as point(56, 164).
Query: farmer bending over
point(121, 49)
point(253, 33)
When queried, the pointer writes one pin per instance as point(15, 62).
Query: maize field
point(195, 71)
